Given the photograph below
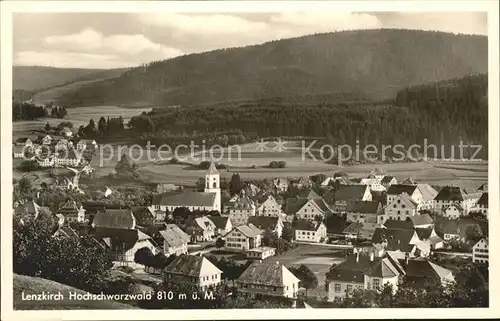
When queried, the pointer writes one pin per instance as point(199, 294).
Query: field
point(251, 160)
point(33, 285)
point(78, 116)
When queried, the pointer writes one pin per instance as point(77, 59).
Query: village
point(321, 236)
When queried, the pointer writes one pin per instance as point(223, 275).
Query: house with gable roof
point(201, 229)
point(73, 212)
point(363, 211)
point(361, 271)
point(195, 270)
point(174, 242)
point(240, 209)
point(344, 194)
point(482, 204)
point(400, 207)
point(453, 211)
point(449, 195)
point(269, 207)
point(244, 237)
point(267, 223)
point(314, 208)
point(270, 279)
point(310, 231)
point(480, 251)
point(223, 225)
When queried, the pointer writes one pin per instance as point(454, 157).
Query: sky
point(115, 40)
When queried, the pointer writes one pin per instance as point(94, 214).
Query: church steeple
point(212, 184)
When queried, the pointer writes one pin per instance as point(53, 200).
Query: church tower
point(212, 185)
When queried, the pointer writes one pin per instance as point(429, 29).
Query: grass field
point(78, 116)
point(33, 285)
point(252, 163)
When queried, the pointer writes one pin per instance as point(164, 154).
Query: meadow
point(251, 160)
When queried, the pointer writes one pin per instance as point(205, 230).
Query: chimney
point(357, 256)
point(372, 256)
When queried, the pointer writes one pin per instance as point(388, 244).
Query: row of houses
point(260, 278)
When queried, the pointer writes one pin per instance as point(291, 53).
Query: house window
point(394, 206)
point(349, 288)
point(337, 287)
point(376, 283)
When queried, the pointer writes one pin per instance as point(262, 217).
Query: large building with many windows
point(480, 251)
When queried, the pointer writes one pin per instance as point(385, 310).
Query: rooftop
point(268, 274)
point(365, 207)
point(397, 189)
point(115, 219)
point(190, 265)
point(187, 198)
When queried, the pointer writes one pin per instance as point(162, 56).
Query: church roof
point(212, 170)
point(186, 198)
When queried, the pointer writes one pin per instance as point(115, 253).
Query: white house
point(195, 270)
point(361, 271)
point(397, 189)
point(66, 132)
point(449, 195)
point(480, 251)
point(374, 184)
point(482, 204)
point(363, 211)
point(240, 208)
point(453, 211)
point(174, 242)
point(312, 209)
point(268, 279)
point(46, 140)
point(269, 207)
point(401, 207)
point(17, 151)
point(267, 223)
point(243, 238)
point(261, 253)
point(310, 231)
point(348, 193)
point(223, 225)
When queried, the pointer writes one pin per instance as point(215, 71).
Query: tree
point(143, 256)
point(75, 261)
point(235, 185)
point(102, 126)
point(308, 279)
point(220, 243)
point(474, 233)
point(90, 130)
point(47, 127)
point(287, 233)
point(25, 186)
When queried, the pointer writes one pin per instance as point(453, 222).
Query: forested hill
point(375, 62)
point(460, 114)
point(36, 78)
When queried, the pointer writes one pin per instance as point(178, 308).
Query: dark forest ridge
point(375, 62)
point(36, 78)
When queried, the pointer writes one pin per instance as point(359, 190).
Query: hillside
point(375, 62)
point(34, 285)
point(36, 78)
point(460, 114)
